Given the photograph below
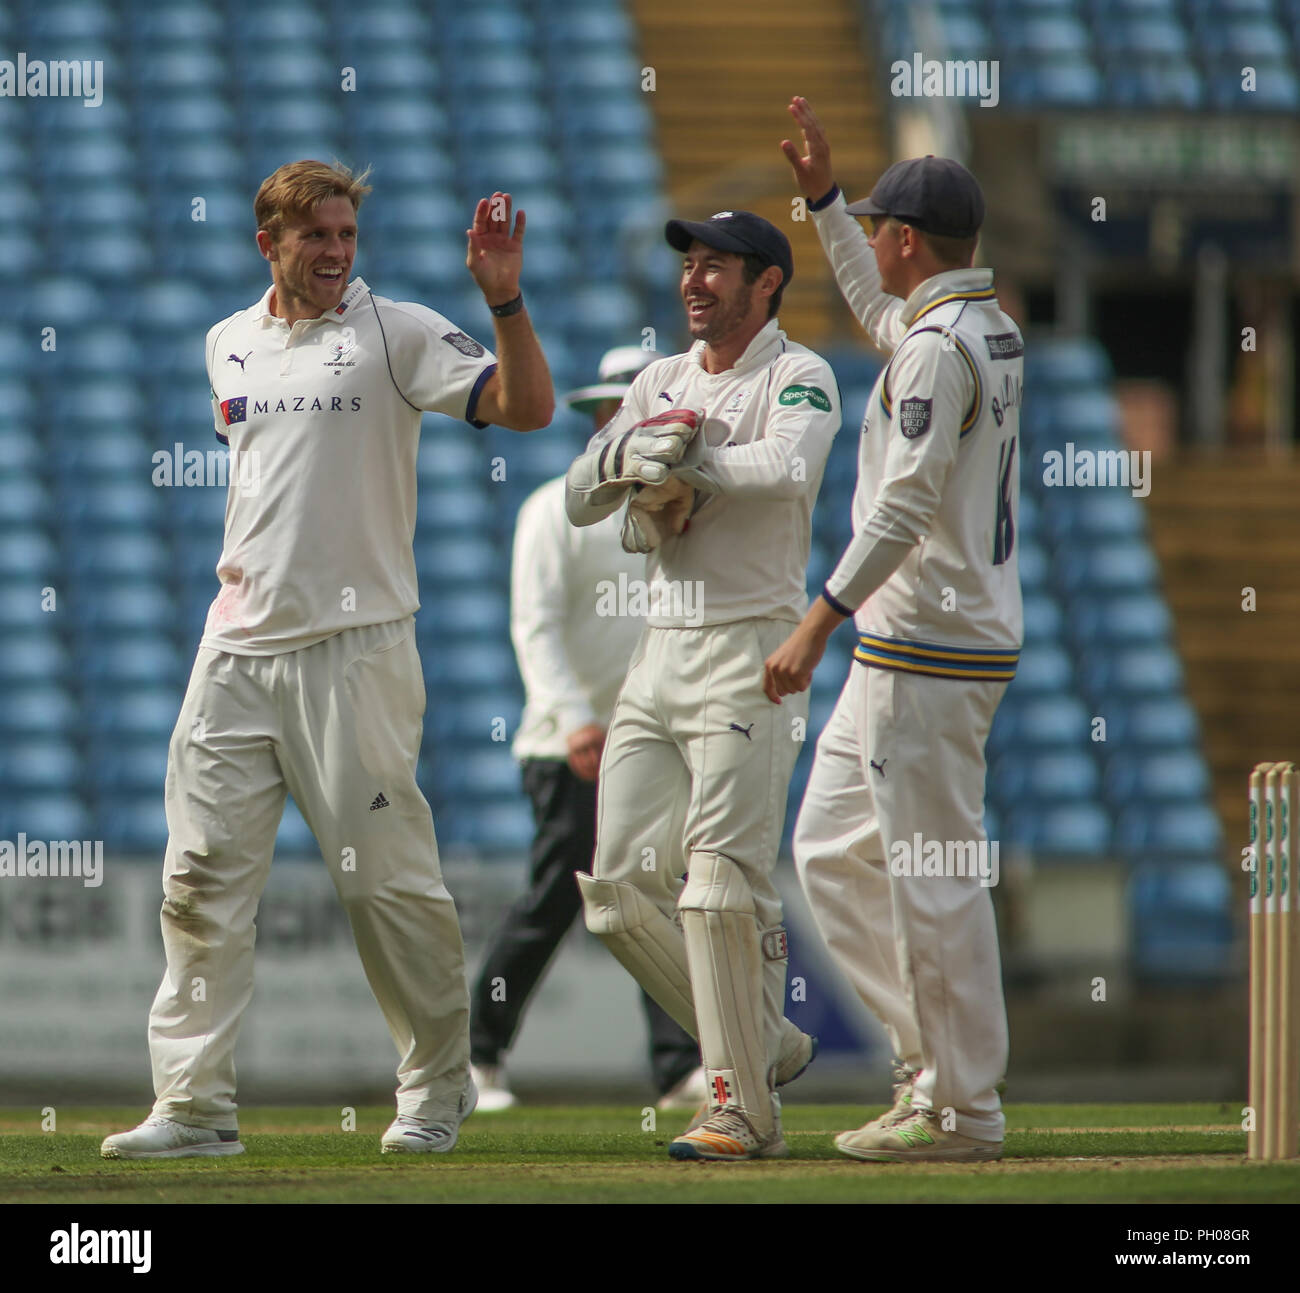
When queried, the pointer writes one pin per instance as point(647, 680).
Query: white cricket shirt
point(931, 572)
point(572, 643)
point(768, 425)
point(323, 423)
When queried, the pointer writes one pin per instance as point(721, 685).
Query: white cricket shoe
point(904, 1081)
point(689, 1093)
point(918, 1138)
point(727, 1136)
point(411, 1136)
point(158, 1137)
point(494, 1093)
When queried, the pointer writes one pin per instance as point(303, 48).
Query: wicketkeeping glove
point(644, 453)
point(655, 513)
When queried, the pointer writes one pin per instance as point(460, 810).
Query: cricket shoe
point(411, 1136)
point(918, 1138)
point(795, 1056)
point(158, 1137)
point(494, 1093)
point(689, 1093)
point(904, 1081)
point(727, 1136)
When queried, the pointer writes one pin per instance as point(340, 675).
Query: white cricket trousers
point(338, 725)
point(698, 760)
point(920, 950)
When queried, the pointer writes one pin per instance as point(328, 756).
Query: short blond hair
point(296, 189)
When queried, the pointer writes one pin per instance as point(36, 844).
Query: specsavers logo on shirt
point(798, 394)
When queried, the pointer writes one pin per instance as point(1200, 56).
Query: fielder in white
point(931, 579)
point(731, 437)
point(307, 678)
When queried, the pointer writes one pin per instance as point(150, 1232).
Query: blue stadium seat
point(24, 503)
point(27, 558)
point(45, 710)
point(472, 33)
point(1043, 722)
point(51, 815)
point(119, 555)
point(592, 73)
point(1140, 619)
point(47, 764)
point(1188, 829)
point(1166, 722)
point(1151, 776)
point(1044, 668)
point(383, 24)
point(71, 21)
point(1044, 622)
point(1124, 566)
point(386, 117)
point(1140, 671)
point(32, 656)
point(1277, 89)
point(1182, 921)
point(1066, 830)
point(590, 29)
point(180, 68)
point(192, 23)
point(132, 823)
point(22, 597)
point(1061, 776)
point(121, 764)
point(135, 661)
point(121, 607)
point(143, 710)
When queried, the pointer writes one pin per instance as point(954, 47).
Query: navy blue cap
point(741, 232)
point(933, 194)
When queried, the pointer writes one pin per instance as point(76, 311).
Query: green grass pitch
point(1115, 1153)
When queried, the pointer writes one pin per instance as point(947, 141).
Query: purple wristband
point(826, 199)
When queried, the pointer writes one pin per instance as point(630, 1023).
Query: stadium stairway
point(1222, 526)
point(725, 72)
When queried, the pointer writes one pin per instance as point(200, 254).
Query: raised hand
point(812, 167)
point(496, 255)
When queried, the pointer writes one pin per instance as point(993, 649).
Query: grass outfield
point(1112, 1153)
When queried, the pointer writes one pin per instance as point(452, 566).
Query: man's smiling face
point(312, 261)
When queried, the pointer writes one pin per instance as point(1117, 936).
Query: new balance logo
point(744, 731)
point(235, 359)
point(878, 767)
point(378, 802)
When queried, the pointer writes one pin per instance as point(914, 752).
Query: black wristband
point(509, 308)
point(836, 605)
point(826, 199)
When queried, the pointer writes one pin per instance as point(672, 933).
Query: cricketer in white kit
point(697, 763)
point(307, 678)
point(931, 580)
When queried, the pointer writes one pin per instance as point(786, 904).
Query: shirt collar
point(767, 341)
point(356, 289)
point(951, 285)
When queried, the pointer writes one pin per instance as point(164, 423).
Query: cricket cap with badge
point(933, 194)
point(741, 232)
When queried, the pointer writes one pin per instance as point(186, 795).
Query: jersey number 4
point(1004, 526)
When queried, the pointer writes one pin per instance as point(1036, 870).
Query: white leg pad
point(644, 941)
point(725, 954)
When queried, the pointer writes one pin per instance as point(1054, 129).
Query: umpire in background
point(573, 663)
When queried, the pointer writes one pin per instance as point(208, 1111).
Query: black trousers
point(564, 810)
